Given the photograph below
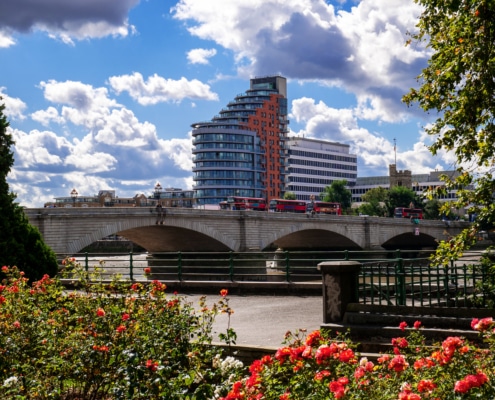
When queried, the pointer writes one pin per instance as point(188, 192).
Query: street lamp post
point(74, 195)
point(158, 190)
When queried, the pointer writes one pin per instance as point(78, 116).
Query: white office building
point(315, 164)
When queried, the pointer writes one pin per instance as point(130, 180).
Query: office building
point(243, 151)
point(315, 164)
point(416, 182)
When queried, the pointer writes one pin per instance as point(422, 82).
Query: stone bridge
point(69, 230)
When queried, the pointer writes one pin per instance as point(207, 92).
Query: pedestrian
point(159, 213)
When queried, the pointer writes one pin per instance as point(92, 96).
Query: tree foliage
point(21, 244)
point(337, 192)
point(432, 209)
point(374, 202)
point(458, 87)
point(289, 196)
point(401, 196)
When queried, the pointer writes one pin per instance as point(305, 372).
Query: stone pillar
point(340, 280)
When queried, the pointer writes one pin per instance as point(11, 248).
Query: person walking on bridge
point(159, 213)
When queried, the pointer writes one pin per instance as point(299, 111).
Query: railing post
point(231, 266)
point(401, 282)
point(346, 255)
point(340, 287)
point(179, 265)
point(287, 266)
point(131, 272)
point(86, 263)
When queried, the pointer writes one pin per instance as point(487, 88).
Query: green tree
point(338, 192)
point(401, 196)
point(458, 87)
point(377, 195)
point(432, 209)
point(289, 196)
point(21, 244)
point(375, 202)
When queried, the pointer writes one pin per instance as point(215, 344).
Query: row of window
point(322, 172)
point(222, 194)
point(324, 156)
point(317, 181)
point(224, 164)
point(233, 146)
point(224, 182)
point(223, 155)
point(223, 137)
point(224, 174)
point(322, 164)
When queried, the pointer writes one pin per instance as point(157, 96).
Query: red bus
point(404, 212)
point(281, 205)
point(243, 203)
point(323, 207)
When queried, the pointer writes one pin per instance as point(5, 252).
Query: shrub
point(118, 341)
point(324, 367)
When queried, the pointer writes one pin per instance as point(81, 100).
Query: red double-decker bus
point(243, 203)
point(281, 205)
point(404, 212)
point(324, 207)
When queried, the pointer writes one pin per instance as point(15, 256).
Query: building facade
point(416, 182)
point(315, 164)
point(169, 197)
point(104, 198)
point(243, 150)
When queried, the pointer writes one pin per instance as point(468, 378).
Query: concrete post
point(340, 280)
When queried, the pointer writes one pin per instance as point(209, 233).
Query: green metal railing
point(414, 283)
point(386, 277)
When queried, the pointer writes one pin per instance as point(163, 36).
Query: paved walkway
point(264, 320)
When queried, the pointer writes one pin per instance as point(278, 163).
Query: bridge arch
point(312, 238)
point(411, 241)
point(168, 238)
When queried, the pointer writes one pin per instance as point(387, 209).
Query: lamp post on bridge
point(74, 195)
point(158, 190)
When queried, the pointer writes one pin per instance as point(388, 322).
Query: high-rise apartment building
point(315, 164)
point(243, 150)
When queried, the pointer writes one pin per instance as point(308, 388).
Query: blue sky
point(101, 94)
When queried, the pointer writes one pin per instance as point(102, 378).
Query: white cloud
point(157, 89)
point(374, 151)
point(45, 117)
point(200, 56)
point(116, 150)
point(6, 39)
point(14, 107)
point(361, 50)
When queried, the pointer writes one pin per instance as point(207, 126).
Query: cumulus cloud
point(361, 50)
point(116, 149)
point(67, 20)
point(5, 39)
point(14, 107)
point(45, 117)
point(158, 89)
point(375, 152)
point(200, 56)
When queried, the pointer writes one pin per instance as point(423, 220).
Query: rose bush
point(118, 341)
point(322, 367)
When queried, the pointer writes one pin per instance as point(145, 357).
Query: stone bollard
point(340, 280)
